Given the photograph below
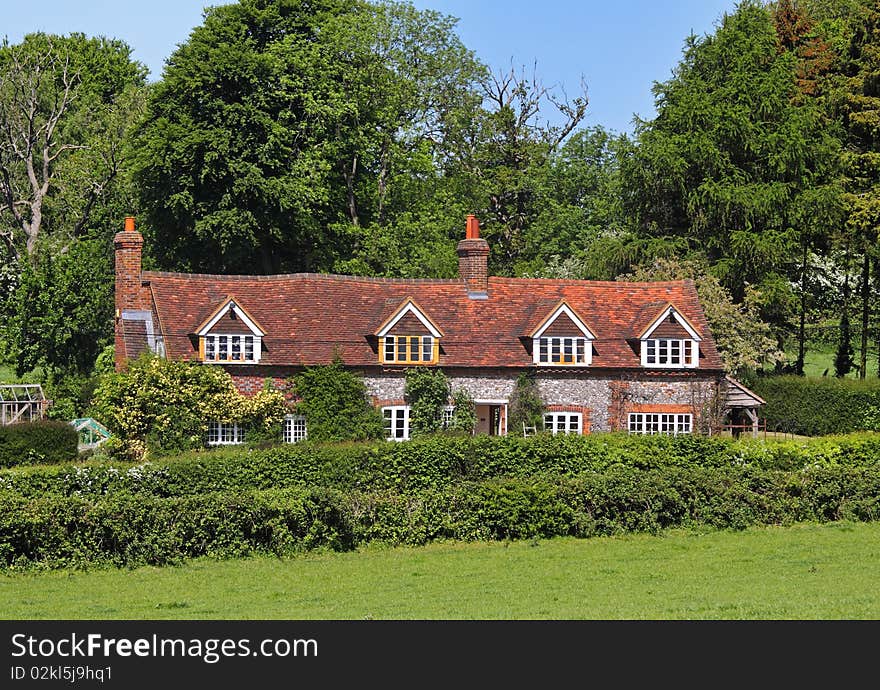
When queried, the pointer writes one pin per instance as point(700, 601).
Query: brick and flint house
point(605, 355)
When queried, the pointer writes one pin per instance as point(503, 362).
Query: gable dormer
point(670, 341)
point(230, 336)
point(409, 336)
point(562, 339)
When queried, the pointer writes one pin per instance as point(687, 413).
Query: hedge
point(136, 529)
point(40, 442)
point(819, 406)
point(432, 463)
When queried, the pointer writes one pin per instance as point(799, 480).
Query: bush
point(434, 462)
point(165, 405)
point(335, 403)
point(816, 407)
point(40, 442)
point(128, 529)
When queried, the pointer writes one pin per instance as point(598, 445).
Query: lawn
point(802, 572)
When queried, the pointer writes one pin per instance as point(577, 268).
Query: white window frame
point(295, 428)
point(669, 423)
point(564, 422)
point(550, 350)
point(393, 414)
point(670, 353)
point(230, 342)
point(225, 433)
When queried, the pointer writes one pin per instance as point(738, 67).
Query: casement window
point(446, 419)
point(396, 422)
point(224, 433)
point(673, 353)
point(235, 349)
point(294, 429)
point(563, 422)
point(409, 349)
point(563, 350)
point(660, 423)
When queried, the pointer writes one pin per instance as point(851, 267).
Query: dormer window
point(562, 339)
point(230, 336)
point(409, 337)
point(409, 349)
point(670, 342)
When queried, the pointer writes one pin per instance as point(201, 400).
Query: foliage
point(525, 407)
point(736, 163)
point(335, 404)
point(464, 413)
point(427, 393)
point(744, 341)
point(61, 315)
point(37, 443)
point(128, 530)
point(164, 405)
point(315, 124)
point(814, 407)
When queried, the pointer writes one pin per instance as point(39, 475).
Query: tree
point(744, 342)
point(64, 104)
point(735, 161)
point(859, 106)
point(285, 135)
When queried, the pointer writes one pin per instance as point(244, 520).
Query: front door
point(490, 419)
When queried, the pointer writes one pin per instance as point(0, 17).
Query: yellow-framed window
point(410, 349)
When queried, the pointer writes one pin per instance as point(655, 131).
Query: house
point(605, 355)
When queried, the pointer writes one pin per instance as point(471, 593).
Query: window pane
point(414, 349)
point(249, 348)
point(427, 348)
point(210, 348)
point(222, 348)
point(544, 350)
point(389, 348)
point(555, 349)
point(568, 350)
point(401, 349)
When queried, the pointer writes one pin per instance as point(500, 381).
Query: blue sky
point(619, 48)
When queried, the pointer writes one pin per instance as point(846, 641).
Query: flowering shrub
point(164, 405)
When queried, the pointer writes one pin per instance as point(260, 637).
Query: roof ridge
point(306, 276)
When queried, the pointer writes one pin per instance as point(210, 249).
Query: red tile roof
point(307, 316)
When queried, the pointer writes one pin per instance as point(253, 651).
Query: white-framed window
point(294, 429)
point(563, 422)
point(668, 352)
point(409, 349)
point(241, 349)
point(224, 433)
point(396, 422)
point(660, 423)
point(446, 418)
point(571, 350)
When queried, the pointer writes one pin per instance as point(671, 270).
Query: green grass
point(819, 358)
point(801, 572)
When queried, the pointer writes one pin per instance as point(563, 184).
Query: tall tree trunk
point(802, 338)
point(866, 312)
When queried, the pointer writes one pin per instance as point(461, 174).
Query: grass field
point(801, 572)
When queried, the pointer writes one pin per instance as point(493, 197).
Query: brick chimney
point(129, 293)
point(473, 261)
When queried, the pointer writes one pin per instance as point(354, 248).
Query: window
point(294, 429)
point(562, 422)
point(224, 434)
point(409, 349)
point(564, 350)
point(396, 422)
point(446, 420)
point(659, 423)
point(232, 348)
point(664, 352)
